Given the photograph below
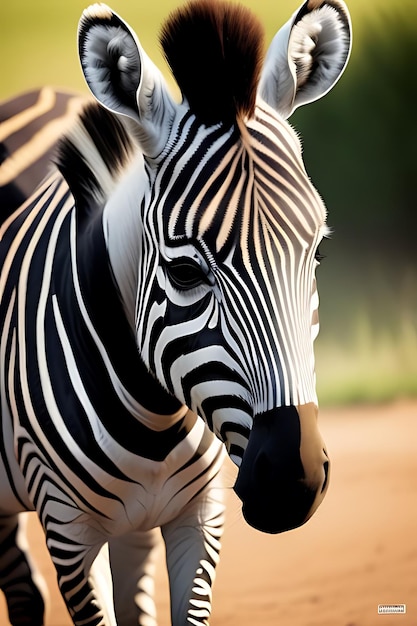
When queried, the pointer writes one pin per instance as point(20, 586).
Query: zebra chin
point(284, 472)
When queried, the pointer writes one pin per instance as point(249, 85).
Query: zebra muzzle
point(284, 472)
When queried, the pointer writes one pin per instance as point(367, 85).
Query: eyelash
point(185, 274)
point(318, 256)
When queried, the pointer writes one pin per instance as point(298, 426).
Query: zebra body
point(143, 287)
point(109, 480)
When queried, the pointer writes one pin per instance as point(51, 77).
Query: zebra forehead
point(229, 179)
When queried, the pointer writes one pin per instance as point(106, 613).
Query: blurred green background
point(360, 149)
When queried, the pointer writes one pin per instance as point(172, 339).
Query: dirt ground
point(357, 552)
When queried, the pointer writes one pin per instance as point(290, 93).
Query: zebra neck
point(148, 401)
point(122, 231)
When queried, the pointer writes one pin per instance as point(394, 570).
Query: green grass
point(377, 366)
point(367, 347)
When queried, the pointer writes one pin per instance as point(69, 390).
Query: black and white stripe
point(30, 126)
point(59, 381)
point(165, 275)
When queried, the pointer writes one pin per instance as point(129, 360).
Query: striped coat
point(168, 271)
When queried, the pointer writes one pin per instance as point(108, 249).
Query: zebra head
point(225, 300)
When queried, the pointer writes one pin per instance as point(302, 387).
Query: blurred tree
point(361, 140)
point(360, 150)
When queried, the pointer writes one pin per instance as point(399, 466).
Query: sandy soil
point(358, 551)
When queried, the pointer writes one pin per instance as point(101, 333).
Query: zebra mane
point(214, 50)
point(93, 155)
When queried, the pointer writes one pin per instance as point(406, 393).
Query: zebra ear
point(307, 56)
point(122, 78)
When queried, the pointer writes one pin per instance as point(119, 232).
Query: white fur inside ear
point(112, 65)
point(318, 48)
point(303, 41)
point(123, 64)
point(307, 56)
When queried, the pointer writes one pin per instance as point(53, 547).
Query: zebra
point(169, 284)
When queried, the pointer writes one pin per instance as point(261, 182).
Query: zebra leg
point(23, 587)
point(83, 571)
point(132, 560)
point(192, 543)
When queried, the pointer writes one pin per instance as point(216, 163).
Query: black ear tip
point(97, 11)
point(92, 15)
point(97, 15)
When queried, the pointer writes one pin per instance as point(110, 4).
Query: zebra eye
point(185, 274)
point(319, 257)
